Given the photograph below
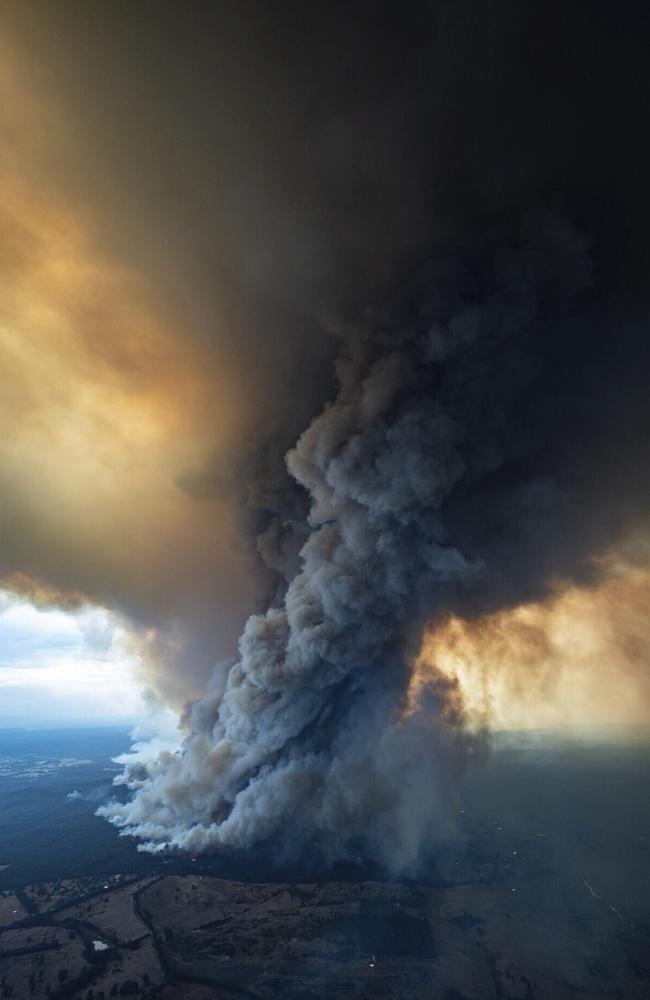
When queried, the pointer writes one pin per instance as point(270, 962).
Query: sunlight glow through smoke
point(578, 658)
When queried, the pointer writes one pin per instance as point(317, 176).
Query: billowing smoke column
point(311, 736)
point(184, 197)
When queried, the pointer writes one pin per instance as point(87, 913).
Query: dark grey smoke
point(427, 494)
point(270, 167)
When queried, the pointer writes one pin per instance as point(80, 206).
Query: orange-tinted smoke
point(105, 403)
point(577, 659)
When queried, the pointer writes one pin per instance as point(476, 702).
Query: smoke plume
point(425, 497)
point(406, 249)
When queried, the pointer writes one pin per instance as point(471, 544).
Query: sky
point(323, 385)
point(62, 668)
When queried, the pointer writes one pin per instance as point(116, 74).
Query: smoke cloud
point(311, 732)
point(578, 659)
point(406, 250)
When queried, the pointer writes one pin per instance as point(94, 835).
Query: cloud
point(59, 665)
point(29, 635)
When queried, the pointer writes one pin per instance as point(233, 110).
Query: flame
point(578, 658)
